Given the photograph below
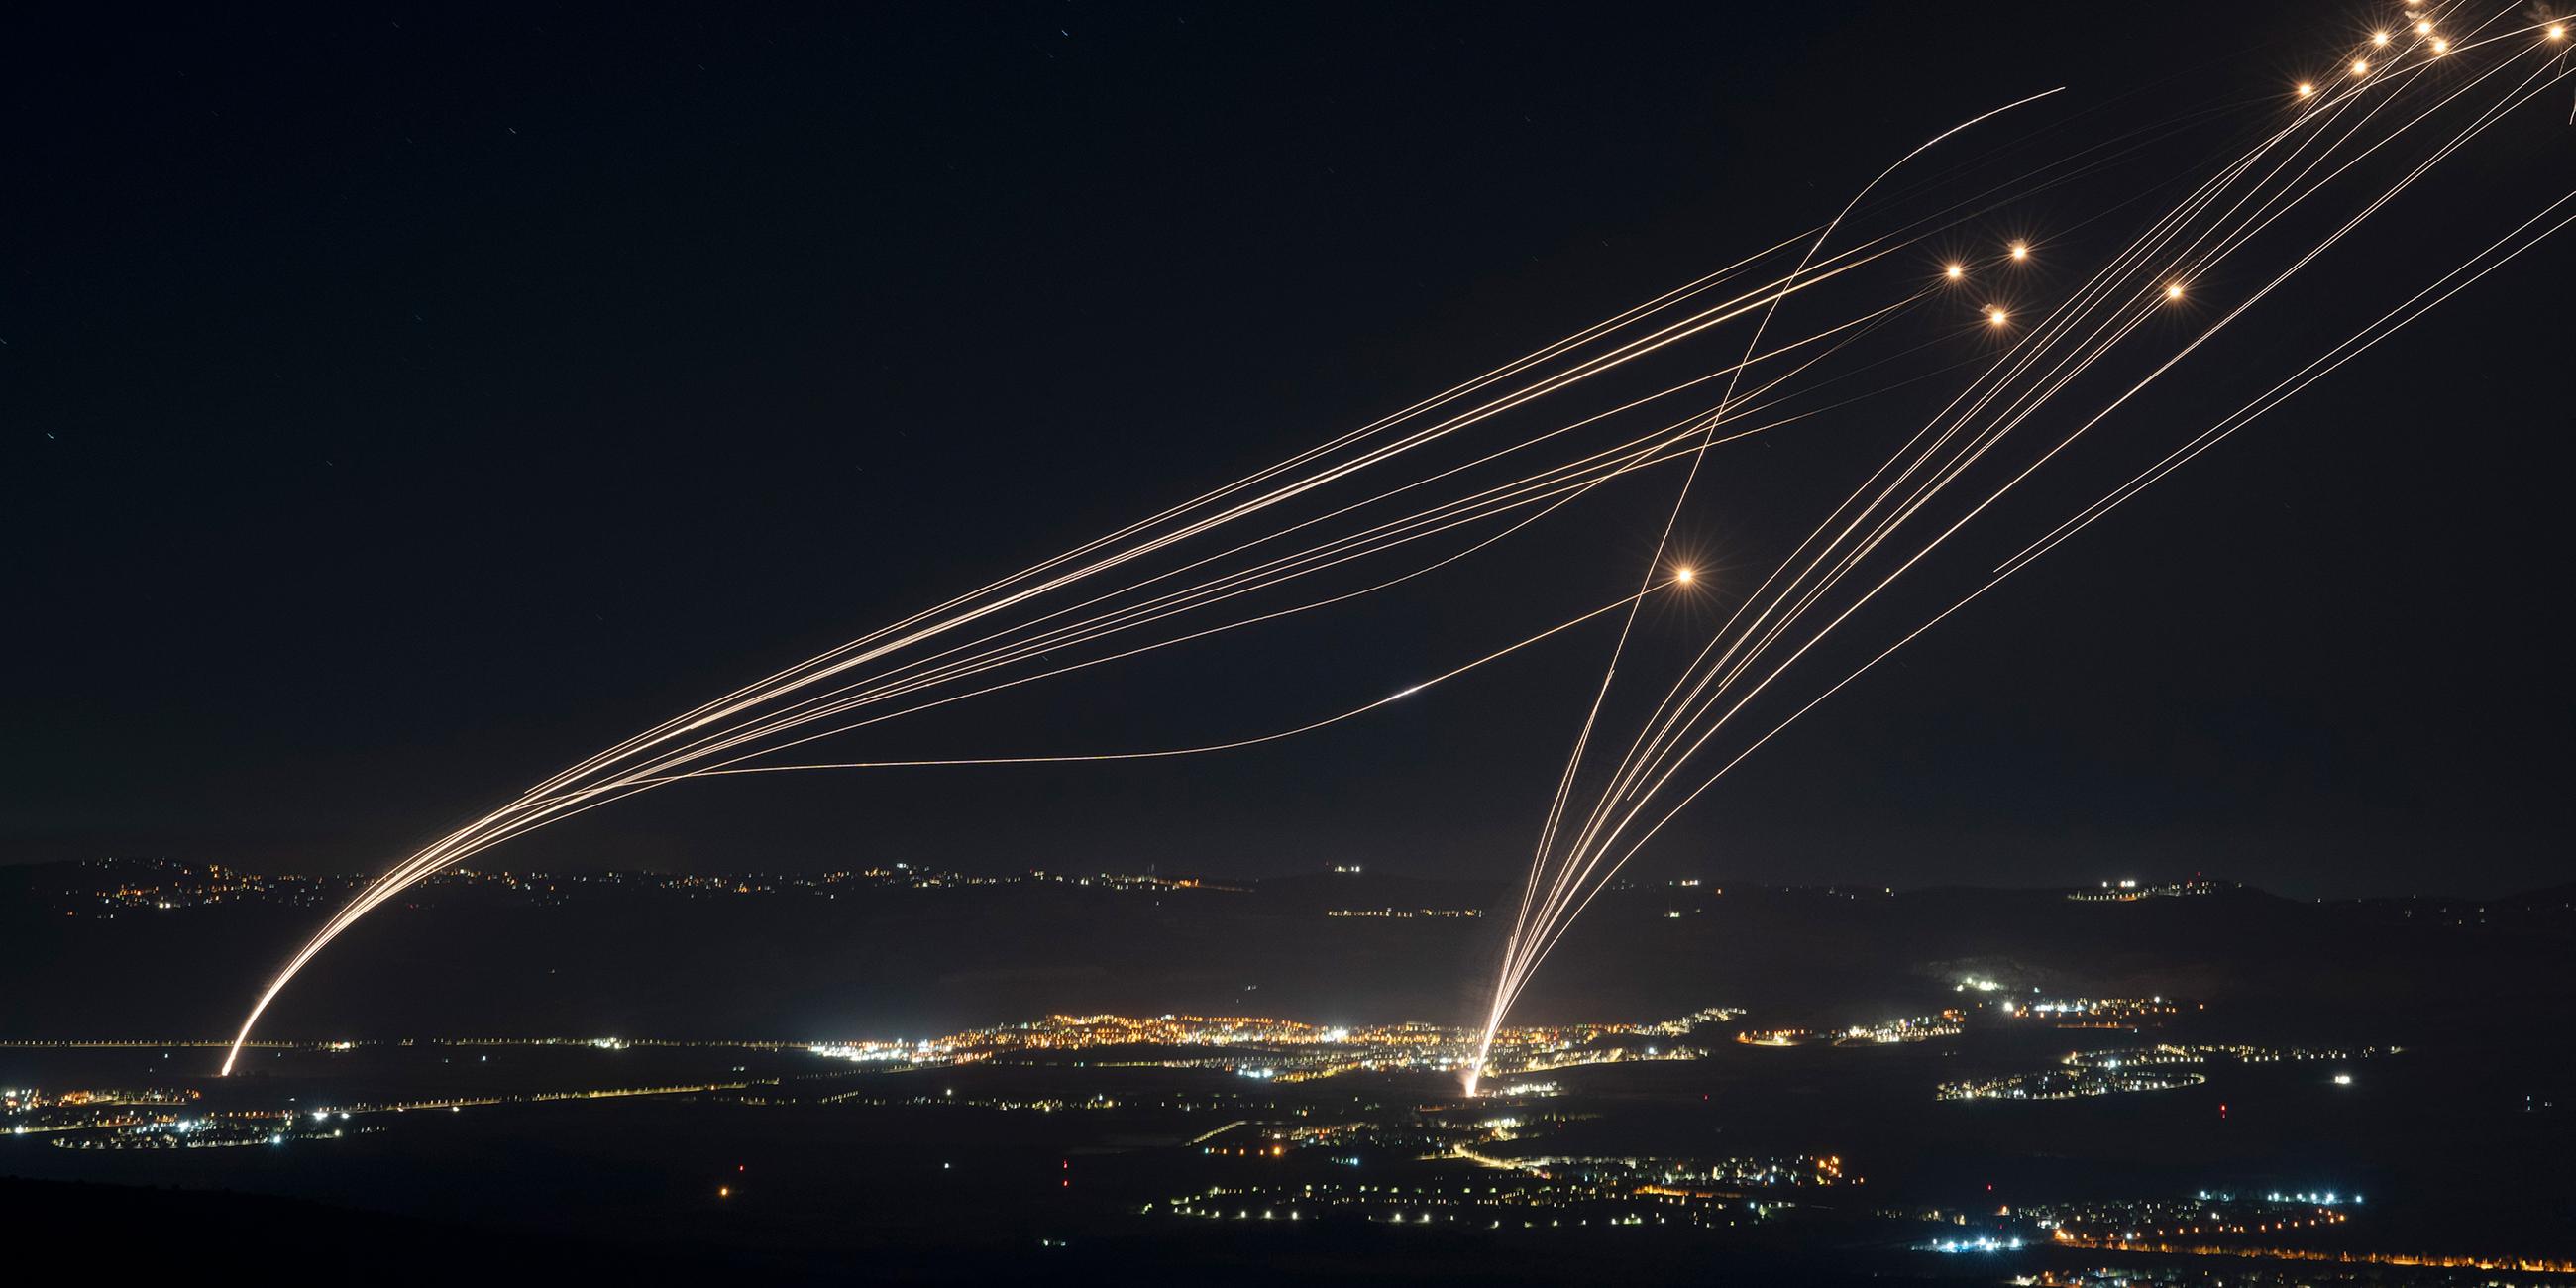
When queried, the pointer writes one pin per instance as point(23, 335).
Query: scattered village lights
point(1943, 331)
point(793, 707)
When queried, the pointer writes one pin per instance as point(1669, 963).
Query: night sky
point(403, 403)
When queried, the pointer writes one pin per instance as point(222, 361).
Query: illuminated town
point(1252, 1120)
point(1252, 646)
point(1288, 1051)
point(1248, 1121)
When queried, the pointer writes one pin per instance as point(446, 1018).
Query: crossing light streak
point(1821, 587)
point(1113, 600)
point(1648, 394)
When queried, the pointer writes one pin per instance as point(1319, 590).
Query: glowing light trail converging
point(1796, 609)
point(1460, 476)
point(1484, 498)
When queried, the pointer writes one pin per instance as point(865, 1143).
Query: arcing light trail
point(2248, 198)
point(1680, 577)
point(733, 728)
point(1459, 475)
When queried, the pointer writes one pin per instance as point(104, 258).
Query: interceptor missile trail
point(831, 690)
point(1773, 631)
point(1681, 577)
point(853, 686)
point(1663, 540)
point(1461, 475)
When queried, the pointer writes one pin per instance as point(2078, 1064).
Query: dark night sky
point(402, 403)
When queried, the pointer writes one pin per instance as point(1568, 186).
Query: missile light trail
point(1696, 711)
point(1964, 434)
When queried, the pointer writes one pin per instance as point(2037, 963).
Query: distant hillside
point(709, 957)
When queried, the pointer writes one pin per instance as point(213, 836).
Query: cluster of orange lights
point(2437, 45)
point(2018, 252)
point(1998, 315)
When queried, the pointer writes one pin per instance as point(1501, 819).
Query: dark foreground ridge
point(225, 1233)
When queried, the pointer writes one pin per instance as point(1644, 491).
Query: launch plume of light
point(1457, 476)
point(1863, 546)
